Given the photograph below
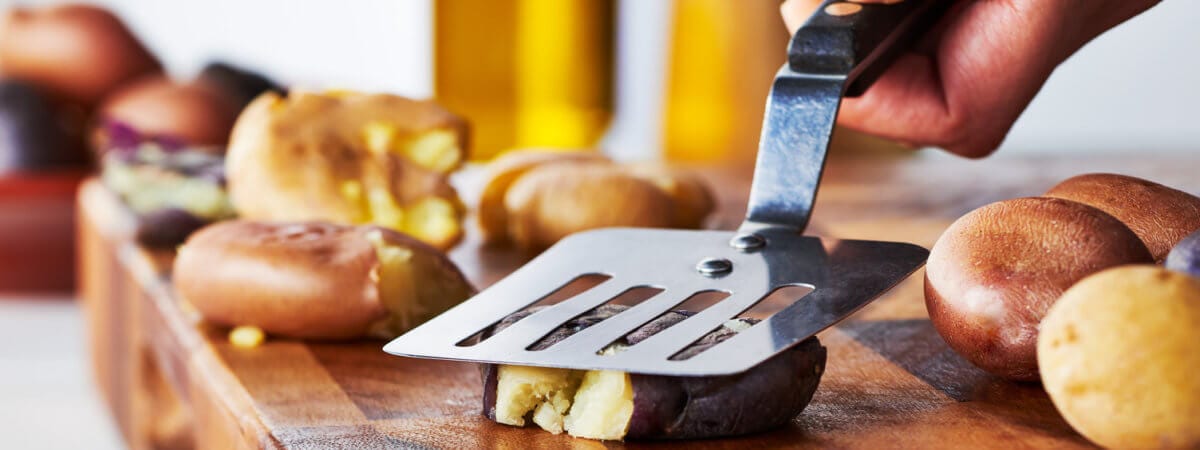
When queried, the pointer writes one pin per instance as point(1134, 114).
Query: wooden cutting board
point(173, 382)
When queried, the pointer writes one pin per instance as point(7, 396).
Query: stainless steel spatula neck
point(797, 128)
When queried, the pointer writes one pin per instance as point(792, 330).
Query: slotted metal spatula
point(840, 50)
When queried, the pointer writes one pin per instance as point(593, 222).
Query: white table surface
point(47, 398)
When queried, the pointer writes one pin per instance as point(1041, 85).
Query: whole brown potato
point(315, 280)
point(575, 186)
point(993, 274)
point(195, 113)
point(1159, 215)
point(551, 202)
point(77, 53)
point(504, 171)
point(693, 201)
point(1119, 359)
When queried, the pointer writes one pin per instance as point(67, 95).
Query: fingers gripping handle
point(839, 51)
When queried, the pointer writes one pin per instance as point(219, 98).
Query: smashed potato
point(613, 405)
point(315, 280)
point(349, 158)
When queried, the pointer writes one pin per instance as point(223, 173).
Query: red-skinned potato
point(195, 113)
point(612, 405)
point(315, 280)
point(993, 274)
point(78, 53)
point(1159, 215)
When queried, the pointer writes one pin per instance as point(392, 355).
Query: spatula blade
point(844, 274)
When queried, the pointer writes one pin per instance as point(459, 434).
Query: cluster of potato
point(90, 69)
point(57, 65)
point(1068, 289)
point(74, 76)
point(379, 166)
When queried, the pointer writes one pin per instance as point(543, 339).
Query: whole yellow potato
point(1118, 356)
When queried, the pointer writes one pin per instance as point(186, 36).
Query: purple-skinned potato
point(611, 405)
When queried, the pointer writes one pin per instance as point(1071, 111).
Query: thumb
point(795, 12)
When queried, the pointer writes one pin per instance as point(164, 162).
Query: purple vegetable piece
point(121, 137)
point(33, 134)
point(1185, 256)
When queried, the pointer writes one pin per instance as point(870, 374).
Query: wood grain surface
point(173, 382)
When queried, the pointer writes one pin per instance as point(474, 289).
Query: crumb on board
point(246, 336)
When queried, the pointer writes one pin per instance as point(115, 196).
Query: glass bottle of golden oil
point(526, 73)
point(723, 56)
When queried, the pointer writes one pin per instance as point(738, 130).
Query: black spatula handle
point(860, 40)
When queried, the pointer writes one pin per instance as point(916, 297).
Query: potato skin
point(549, 203)
point(1118, 357)
point(167, 228)
point(534, 198)
point(242, 85)
point(78, 53)
point(194, 113)
point(765, 397)
point(296, 158)
point(303, 280)
point(508, 168)
point(994, 272)
point(32, 133)
point(1159, 215)
point(693, 201)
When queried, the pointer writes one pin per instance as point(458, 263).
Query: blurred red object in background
point(37, 230)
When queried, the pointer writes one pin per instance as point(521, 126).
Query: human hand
point(962, 87)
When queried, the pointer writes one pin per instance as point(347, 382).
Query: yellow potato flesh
point(594, 404)
point(522, 389)
point(409, 288)
point(602, 407)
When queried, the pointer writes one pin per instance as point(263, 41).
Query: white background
point(1134, 89)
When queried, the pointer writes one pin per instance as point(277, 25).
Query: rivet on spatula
point(712, 267)
point(747, 242)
